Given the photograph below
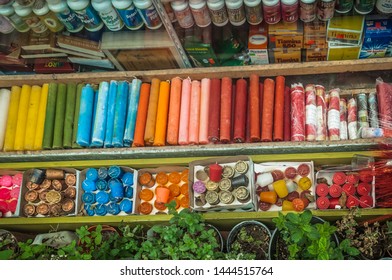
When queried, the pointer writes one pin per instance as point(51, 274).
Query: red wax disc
point(322, 203)
point(5, 193)
point(3, 207)
point(264, 206)
point(333, 202)
point(352, 201)
point(303, 169)
point(290, 172)
point(339, 178)
point(277, 175)
point(322, 189)
point(353, 178)
point(293, 195)
point(335, 190)
point(12, 205)
point(349, 189)
point(366, 201)
point(279, 202)
point(364, 188)
point(366, 176)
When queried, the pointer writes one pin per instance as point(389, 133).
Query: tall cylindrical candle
point(85, 116)
point(174, 111)
point(240, 110)
point(321, 113)
point(12, 119)
point(334, 115)
point(363, 116)
point(183, 136)
point(47, 141)
point(32, 117)
point(352, 114)
point(120, 114)
point(194, 115)
point(268, 110)
point(79, 89)
point(39, 132)
point(287, 114)
point(373, 110)
point(162, 111)
point(254, 108)
point(204, 110)
point(279, 109)
point(310, 113)
point(343, 119)
point(22, 118)
point(261, 98)
point(59, 116)
point(214, 110)
point(149, 132)
point(225, 116)
point(215, 172)
point(69, 115)
point(134, 96)
point(110, 114)
point(141, 117)
point(99, 125)
point(5, 97)
point(297, 112)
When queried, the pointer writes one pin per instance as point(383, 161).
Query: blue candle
point(99, 128)
point(113, 208)
point(88, 198)
point(89, 209)
point(85, 116)
point(102, 173)
point(102, 197)
point(89, 186)
point(134, 94)
point(94, 111)
point(120, 114)
point(126, 206)
point(92, 174)
point(110, 116)
point(127, 179)
point(102, 185)
point(129, 192)
point(101, 210)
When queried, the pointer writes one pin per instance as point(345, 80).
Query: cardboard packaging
point(315, 54)
point(284, 55)
point(377, 38)
point(346, 30)
point(315, 35)
point(343, 52)
point(286, 35)
point(258, 44)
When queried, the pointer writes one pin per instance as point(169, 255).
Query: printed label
point(384, 6)
point(35, 24)
point(89, 17)
point(364, 6)
point(18, 22)
point(201, 16)
point(219, 17)
point(272, 14)
point(184, 17)
point(307, 12)
point(290, 12)
point(131, 17)
point(236, 16)
point(70, 20)
point(52, 22)
point(343, 130)
point(333, 119)
point(112, 20)
point(253, 14)
point(151, 17)
point(343, 6)
point(325, 10)
point(311, 114)
point(353, 130)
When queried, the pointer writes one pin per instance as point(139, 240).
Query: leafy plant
point(8, 245)
point(388, 236)
point(307, 240)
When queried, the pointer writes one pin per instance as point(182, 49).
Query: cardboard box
point(13, 189)
point(201, 55)
point(82, 177)
point(377, 37)
point(315, 35)
point(258, 44)
point(315, 54)
point(290, 172)
point(284, 55)
point(286, 35)
point(343, 52)
point(346, 29)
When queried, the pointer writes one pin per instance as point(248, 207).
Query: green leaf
point(323, 256)
point(293, 218)
point(323, 243)
point(312, 250)
point(6, 254)
point(353, 251)
point(296, 235)
point(306, 217)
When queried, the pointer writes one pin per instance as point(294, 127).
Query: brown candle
point(46, 184)
point(29, 210)
point(70, 192)
point(42, 195)
point(53, 197)
point(55, 209)
point(31, 196)
point(68, 205)
point(240, 110)
point(43, 209)
point(54, 174)
point(214, 110)
point(70, 179)
point(58, 185)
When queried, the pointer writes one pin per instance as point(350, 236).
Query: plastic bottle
point(129, 14)
point(25, 3)
point(16, 20)
point(307, 10)
point(384, 7)
point(325, 9)
point(253, 11)
point(51, 21)
point(236, 12)
point(5, 25)
point(271, 11)
point(200, 12)
point(148, 13)
point(108, 14)
point(183, 13)
point(86, 13)
point(343, 6)
point(218, 12)
point(364, 7)
point(71, 22)
point(289, 10)
point(26, 13)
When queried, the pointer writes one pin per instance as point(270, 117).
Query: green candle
point(69, 115)
point(76, 116)
point(49, 119)
point(59, 117)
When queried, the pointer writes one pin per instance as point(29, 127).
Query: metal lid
point(225, 184)
point(227, 171)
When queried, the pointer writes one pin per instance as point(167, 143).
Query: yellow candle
point(39, 132)
point(22, 118)
point(32, 117)
point(12, 119)
point(280, 188)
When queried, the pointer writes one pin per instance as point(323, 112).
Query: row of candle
point(179, 112)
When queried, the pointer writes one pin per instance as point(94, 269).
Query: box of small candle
point(156, 187)
point(225, 183)
point(284, 186)
point(107, 191)
point(49, 193)
point(10, 188)
point(344, 188)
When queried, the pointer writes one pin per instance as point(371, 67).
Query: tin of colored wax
point(212, 197)
point(242, 194)
point(53, 197)
point(54, 174)
point(212, 186)
point(29, 210)
point(226, 197)
point(241, 180)
point(42, 209)
point(225, 184)
point(241, 167)
point(38, 176)
point(199, 187)
point(200, 200)
point(228, 171)
point(31, 196)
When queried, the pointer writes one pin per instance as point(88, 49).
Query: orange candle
point(138, 139)
point(149, 131)
point(254, 109)
point(279, 109)
point(162, 110)
point(174, 112)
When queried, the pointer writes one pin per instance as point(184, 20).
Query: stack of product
point(315, 45)
point(377, 37)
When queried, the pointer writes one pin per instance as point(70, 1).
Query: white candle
point(5, 96)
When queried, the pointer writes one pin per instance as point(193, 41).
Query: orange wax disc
point(146, 179)
point(160, 205)
point(184, 202)
point(146, 194)
point(161, 178)
point(184, 189)
point(174, 190)
point(145, 208)
point(174, 177)
point(184, 175)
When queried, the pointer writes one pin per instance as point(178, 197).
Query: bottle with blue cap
point(126, 206)
point(86, 13)
point(108, 14)
point(129, 14)
point(101, 210)
point(88, 198)
point(113, 208)
point(71, 22)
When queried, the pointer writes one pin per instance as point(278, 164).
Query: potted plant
point(8, 244)
point(248, 240)
point(388, 238)
point(303, 236)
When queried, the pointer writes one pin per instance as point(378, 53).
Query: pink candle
point(204, 110)
point(194, 116)
point(183, 138)
point(215, 172)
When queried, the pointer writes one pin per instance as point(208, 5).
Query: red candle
point(225, 114)
point(261, 94)
point(214, 110)
point(365, 176)
point(364, 188)
point(352, 201)
point(349, 189)
point(240, 111)
point(287, 114)
point(279, 109)
point(322, 203)
point(5, 194)
point(254, 108)
point(334, 203)
point(335, 190)
point(339, 178)
point(268, 110)
point(215, 172)
point(322, 189)
point(366, 201)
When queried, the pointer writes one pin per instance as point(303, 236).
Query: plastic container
point(218, 12)
point(86, 13)
point(148, 13)
point(26, 13)
point(343, 6)
point(307, 10)
point(60, 8)
point(41, 9)
point(364, 7)
point(253, 11)
point(200, 12)
point(271, 11)
point(108, 14)
point(236, 12)
point(384, 7)
point(17, 22)
point(289, 10)
point(325, 9)
point(128, 13)
point(183, 13)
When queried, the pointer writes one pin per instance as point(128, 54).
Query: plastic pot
point(219, 236)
